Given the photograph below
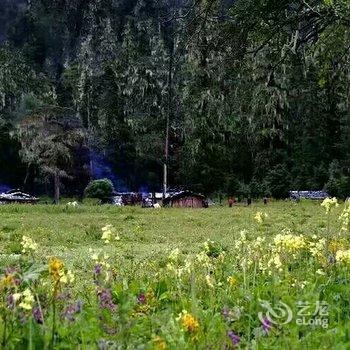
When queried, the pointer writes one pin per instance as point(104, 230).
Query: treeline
point(252, 96)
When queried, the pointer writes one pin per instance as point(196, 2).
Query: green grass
point(139, 263)
point(69, 233)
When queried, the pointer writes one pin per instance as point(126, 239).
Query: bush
point(101, 189)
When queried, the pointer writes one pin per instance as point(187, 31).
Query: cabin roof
point(17, 196)
point(182, 194)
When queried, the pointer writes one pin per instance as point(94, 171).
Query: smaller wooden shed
point(186, 199)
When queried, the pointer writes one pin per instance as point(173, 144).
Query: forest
point(246, 97)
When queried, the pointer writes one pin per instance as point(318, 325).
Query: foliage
point(101, 189)
point(256, 103)
point(162, 284)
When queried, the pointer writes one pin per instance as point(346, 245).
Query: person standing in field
point(230, 202)
point(265, 200)
point(249, 201)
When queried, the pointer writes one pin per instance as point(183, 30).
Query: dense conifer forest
point(245, 97)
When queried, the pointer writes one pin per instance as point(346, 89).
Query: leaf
point(34, 272)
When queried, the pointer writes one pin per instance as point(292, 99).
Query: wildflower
point(231, 315)
point(259, 217)
point(225, 312)
point(203, 259)
point(16, 296)
point(343, 256)
point(209, 281)
point(28, 245)
point(275, 261)
point(235, 339)
point(108, 234)
point(10, 301)
point(105, 299)
point(159, 343)
point(97, 269)
point(174, 255)
point(243, 235)
point(317, 249)
point(58, 274)
point(38, 315)
point(141, 298)
point(67, 277)
point(329, 203)
point(101, 265)
point(71, 310)
point(290, 243)
point(189, 322)
point(266, 325)
point(232, 281)
point(56, 269)
point(27, 300)
point(345, 218)
point(7, 281)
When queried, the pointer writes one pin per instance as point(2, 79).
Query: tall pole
point(168, 118)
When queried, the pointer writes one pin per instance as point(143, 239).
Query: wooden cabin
point(186, 199)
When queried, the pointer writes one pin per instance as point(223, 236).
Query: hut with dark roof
point(186, 199)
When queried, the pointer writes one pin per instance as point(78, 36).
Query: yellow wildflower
point(329, 203)
point(345, 218)
point(259, 217)
point(189, 322)
point(232, 281)
point(289, 242)
point(343, 256)
point(7, 281)
point(27, 300)
point(56, 270)
point(70, 276)
point(159, 343)
point(108, 234)
point(275, 261)
point(16, 297)
point(28, 245)
point(209, 281)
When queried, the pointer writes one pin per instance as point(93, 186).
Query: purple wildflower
point(38, 315)
point(97, 269)
point(97, 273)
point(10, 301)
point(141, 298)
point(105, 299)
point(235, 339)
point(266, 325)
point(71, 310)
point(225, 312)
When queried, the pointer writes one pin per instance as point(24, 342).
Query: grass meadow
point(104, 277)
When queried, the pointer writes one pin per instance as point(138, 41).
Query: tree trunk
point(57, 188)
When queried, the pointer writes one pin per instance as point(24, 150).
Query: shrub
point(101, 189)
